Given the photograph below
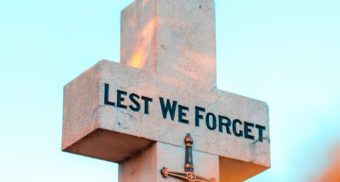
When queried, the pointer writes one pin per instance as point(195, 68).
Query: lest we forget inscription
point(171, 108)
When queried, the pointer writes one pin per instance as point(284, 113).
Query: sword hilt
point(189, 164)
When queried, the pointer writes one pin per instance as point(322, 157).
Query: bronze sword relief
point(188, 175)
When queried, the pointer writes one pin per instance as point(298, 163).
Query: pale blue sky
point(286, 53)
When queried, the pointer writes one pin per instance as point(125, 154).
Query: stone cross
point(136, 113)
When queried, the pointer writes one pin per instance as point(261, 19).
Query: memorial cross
point(136, 113)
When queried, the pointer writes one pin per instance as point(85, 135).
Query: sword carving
point(188, 175)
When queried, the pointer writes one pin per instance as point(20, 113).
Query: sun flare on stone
point(138, 59)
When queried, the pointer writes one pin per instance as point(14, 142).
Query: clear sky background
point(284, 52)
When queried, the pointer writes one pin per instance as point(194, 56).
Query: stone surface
point(168, 51)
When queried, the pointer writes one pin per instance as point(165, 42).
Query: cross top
point(183, 50)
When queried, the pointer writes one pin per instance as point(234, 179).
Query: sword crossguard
point(188, 175)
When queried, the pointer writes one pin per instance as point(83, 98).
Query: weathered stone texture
point(173, 37)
